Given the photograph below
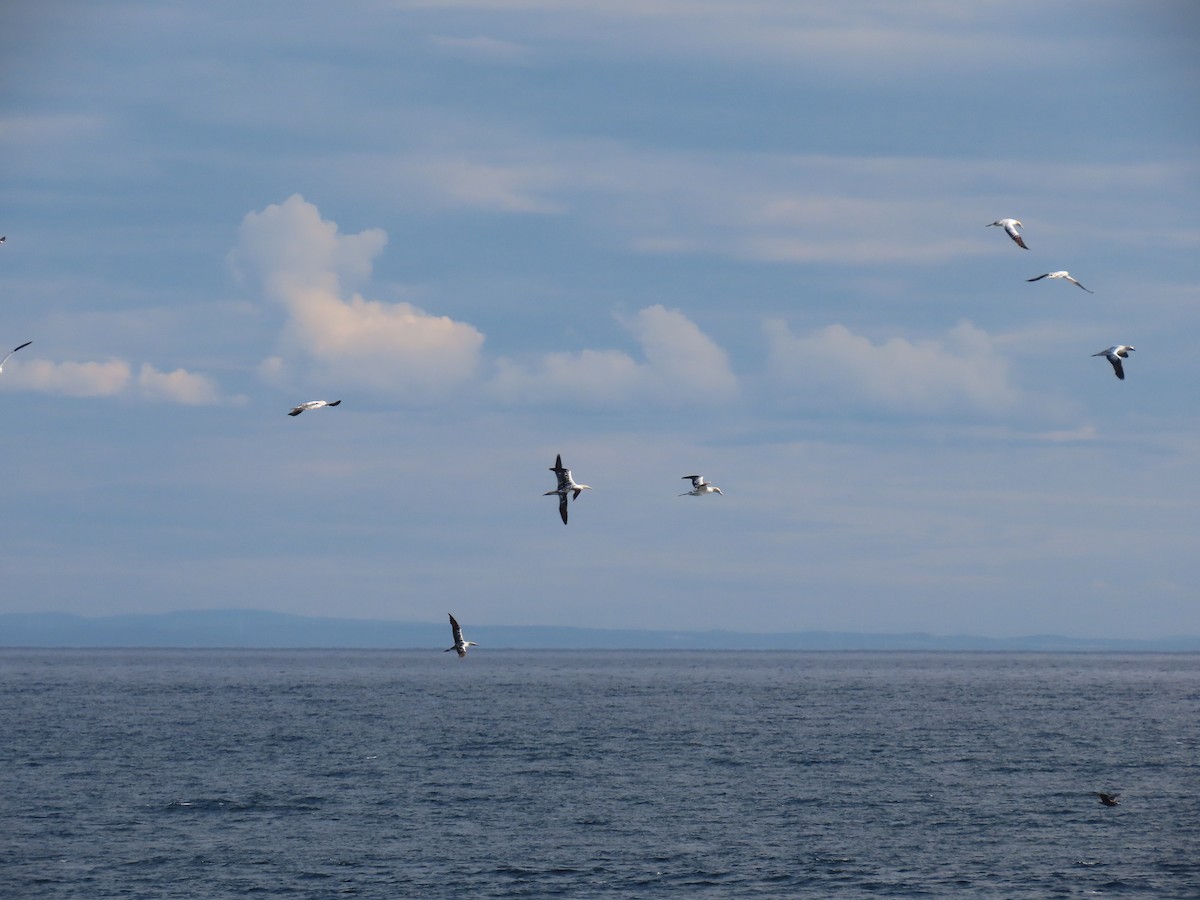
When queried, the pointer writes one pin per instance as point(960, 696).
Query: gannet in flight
point(459, 644)
point(1108, 799)
point(566, 485)
point(700, 487)
point(1115, 355)
point(313, 404)
point(1011, 226)
point(12, 351)
point(1066, 275)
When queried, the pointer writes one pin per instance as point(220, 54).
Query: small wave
point(255, 803)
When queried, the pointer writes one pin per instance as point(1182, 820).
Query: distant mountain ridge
point(262, 629)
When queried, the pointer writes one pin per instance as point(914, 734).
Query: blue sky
point(745, 239)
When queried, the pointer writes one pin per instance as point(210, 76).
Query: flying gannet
point(459, 644)
point(313, 404)
point(566, 486)
point(700, 487)
point(11, 352)
point(1066, 275)
point(1011, 226)
point(1108, 799)
point(1115, 355)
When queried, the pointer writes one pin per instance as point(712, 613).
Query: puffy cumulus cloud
point(681, 355)
point(682, 366)
point(75, 379)
point(179, 386)
point(112, 378)
point(305, 264)
point(288, 245)
point(835, 367)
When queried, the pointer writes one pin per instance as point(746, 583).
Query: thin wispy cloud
point(482, 48)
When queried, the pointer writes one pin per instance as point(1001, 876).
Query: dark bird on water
point(1108, 799)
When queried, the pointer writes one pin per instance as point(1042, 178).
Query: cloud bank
point(113, 378)
point(681, 366)
point(835, 368)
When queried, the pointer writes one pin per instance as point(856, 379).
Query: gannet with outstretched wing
point(1011, 226)
point(1066, 275)
point(566, 486)
point(459, 644)
point(700, 487)
point(312, 404)
point(1115, 354)
point(11, 352)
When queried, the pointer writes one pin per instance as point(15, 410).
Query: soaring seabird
point(12, 351)
point(700, 487)
point(1011, 226)
point(459, 644)
point(1115, 355)
point(1108, 799)
point(566, 485)
point(313, 404)
point(1066, 275)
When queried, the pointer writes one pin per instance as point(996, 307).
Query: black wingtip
point(22, 347)
point(333, 402)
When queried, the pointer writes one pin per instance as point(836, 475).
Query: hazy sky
point(744, 238)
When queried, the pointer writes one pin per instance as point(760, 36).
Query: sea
point(597, 774)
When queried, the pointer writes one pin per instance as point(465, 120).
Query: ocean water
point(206, 774)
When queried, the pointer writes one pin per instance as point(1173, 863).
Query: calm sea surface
point(204, 774)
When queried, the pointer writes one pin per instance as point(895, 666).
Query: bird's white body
point(460, 646)
point(1114, 355)
point(1064, 275)
point(1011, 226)
point(14, 350)
point(312, 404)
point(566, 487)
point(700, 487)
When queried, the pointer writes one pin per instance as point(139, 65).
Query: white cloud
point(179, 386)
point(834, 367)
point(75, 379)
point(683, 366)
point(305, 264)
point(112, 378)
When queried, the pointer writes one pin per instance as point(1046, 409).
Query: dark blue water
point(204, 774)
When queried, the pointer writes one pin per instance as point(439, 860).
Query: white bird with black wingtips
point(1065, 275)
point(700, 487)
point(460, 646)
point(312, 404)
point(1011, 226)
point(1115, 354)
point(566, 486)
point(11, 352)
